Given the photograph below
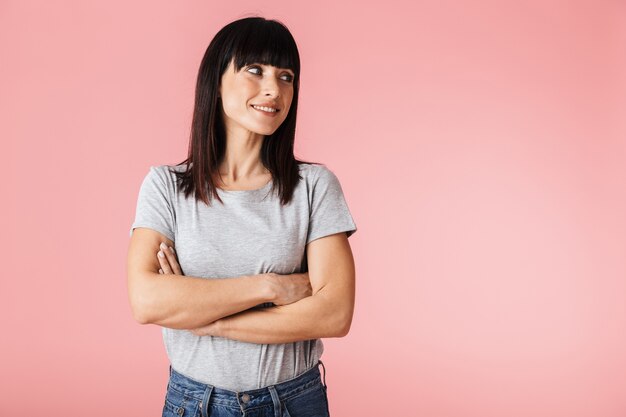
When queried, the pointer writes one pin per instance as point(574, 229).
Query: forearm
point(185, 302)
point(309, 318)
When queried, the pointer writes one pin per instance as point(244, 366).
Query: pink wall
point(481, 146)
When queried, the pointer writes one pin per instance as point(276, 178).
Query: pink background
point(481, 147)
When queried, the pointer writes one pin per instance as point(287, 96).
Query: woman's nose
point(270, 86)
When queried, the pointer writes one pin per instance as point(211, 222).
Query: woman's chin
point(265, 131)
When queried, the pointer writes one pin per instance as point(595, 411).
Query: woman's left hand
point(167, 261)
point(169, 265)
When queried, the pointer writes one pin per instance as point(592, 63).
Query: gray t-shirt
point(250, 234)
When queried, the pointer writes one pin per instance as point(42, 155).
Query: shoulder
point(320, 177)
point(313, 173)
point(168, 170)
point(161, 180)
point(321, 181)
point(165, 174)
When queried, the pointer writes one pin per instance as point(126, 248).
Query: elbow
point(344, 322)
point(140, 303)
point(344, 330)
point(338, 318)
point(147, 310)
point(140, 313)
point(140, 317)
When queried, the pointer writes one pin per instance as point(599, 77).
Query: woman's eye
point(288, 77)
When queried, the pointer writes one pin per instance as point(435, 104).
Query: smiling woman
point(256, 97)
point(241, 251)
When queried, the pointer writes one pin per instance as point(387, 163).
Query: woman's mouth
point(267, 111)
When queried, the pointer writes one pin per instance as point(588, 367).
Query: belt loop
point(169, 379)
point(204, 404)
point(323, 367)
point(278, 411)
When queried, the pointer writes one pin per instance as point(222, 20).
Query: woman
point(253, 265)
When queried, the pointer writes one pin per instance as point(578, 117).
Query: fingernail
point(161, 254)
point(163, 245)
point(172, 249)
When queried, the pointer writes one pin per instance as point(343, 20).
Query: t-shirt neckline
point(245, 193)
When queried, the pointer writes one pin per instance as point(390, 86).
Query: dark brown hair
point(246, 41)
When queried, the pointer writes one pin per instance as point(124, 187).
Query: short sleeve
point(154, 209)
point(329, 211)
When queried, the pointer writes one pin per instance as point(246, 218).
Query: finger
point(164, 263)
point(174, 261)
point(171, 259)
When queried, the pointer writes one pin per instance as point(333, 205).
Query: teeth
point(269, 109)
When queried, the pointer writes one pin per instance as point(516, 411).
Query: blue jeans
point(302, 396)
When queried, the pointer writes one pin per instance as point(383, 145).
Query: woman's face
point(255, 85)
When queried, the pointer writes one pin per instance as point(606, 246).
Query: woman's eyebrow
point(280, 69)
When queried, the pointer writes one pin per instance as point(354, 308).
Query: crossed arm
point(326, 313)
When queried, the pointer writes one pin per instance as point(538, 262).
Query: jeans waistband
point(243, 400)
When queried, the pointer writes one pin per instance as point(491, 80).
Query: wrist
point(221, 327)
point(268, 288)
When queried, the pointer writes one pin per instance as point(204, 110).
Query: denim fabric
point(302, 396)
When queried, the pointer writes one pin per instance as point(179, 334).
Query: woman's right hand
point(289, 288)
